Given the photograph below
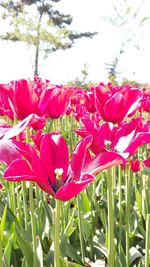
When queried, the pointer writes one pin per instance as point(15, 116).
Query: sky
point(89, 15)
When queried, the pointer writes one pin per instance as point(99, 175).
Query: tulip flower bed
point(75, 175)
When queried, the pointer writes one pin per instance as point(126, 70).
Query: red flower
point(90, 101)
point(58, 101)
point(101, 134)
point(145, 103)
point(126, 138)
point(24, 99)
point(135, 165)
point(52, 170)
point(5, 107)
point(114, 104)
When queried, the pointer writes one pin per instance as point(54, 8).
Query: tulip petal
point(44, 100)
point(102, 96)
point(114, 108)
point(30, 154)
point(25, 98)
point(132, 98)
point(8, 152)
point(73, 188)
point(59, 101)
point(19, 170)
point(139, 140)
point(146, 162)
point(54, 155)
point(20, 127)
point(123, 142)
point(104, 161)
point(80, 156)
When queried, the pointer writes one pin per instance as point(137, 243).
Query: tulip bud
point(135, 165)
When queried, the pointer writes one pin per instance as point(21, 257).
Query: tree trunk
point(36, 64)
point(37, 48)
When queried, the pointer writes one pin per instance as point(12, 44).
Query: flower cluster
point(113, 127)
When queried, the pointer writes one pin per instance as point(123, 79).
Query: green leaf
point(25, 247)
point(48, 211)
point(72, 264)
point(7, 252)
point(50, 257)
point(139, 200)
point(64, 263)
point(2, 224)
point(86, 227)
point(121, 258)
point(63, 244)
point(69, 228)
point(24, 263)
point(72, 253)
point(25, 234)
point(10, 216)
point(84, 202)
point(16, 256)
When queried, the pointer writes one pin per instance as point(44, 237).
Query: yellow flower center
point(58, 172)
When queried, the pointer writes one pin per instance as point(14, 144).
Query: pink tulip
point(90, 101)
point(58, 101)
point(115, 104)
point(24, 99)
point(146, 102)
point(53, 171)
point(126, 138)
point(5, 107)
point(77, 104)
point(135, 165)
point(101, 134)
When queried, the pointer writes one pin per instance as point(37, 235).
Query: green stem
point(120, 207)
point(136, 191)
point(62, 218)
point(25, 205)
point(33, 224)
point(32, 210)
point(111, 245)
point(19, 208)
point(82, 244)
point(147, 244)
point(128, 198)
point(93, 188)
point(12, 197)
point(57, 234)
point(38, 206)
point(1, 248)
